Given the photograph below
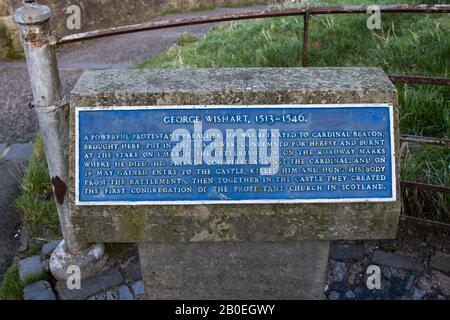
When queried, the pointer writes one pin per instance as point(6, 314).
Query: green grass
point(186, 39)
point(12, 287)
point(37, 202)
point(403, 44)
point(424, 110)
point(428, 164)
point(41, 220)
point(407, 44)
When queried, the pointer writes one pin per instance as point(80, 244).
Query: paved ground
point(10, 218)
point(123, 51)
point(13, 161)
point(19, 123)
point(415, 266)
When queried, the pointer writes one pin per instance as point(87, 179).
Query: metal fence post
point(305, 37)
point(52, 111)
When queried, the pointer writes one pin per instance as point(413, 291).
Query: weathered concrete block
point(234, 251)
point(396, 261)
point(234, 270)
point(92, 261)
point(237, 222)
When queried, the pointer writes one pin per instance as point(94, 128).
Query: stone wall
point(236, 222)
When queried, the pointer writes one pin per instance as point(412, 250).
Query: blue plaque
point(178, 155)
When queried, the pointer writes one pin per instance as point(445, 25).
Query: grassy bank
point(12, 287)
point(40, 219)
point(407, 44)
point(36, 202)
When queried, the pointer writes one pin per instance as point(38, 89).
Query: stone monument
point(233, 181)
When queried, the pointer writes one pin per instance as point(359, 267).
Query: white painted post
point(52, 111)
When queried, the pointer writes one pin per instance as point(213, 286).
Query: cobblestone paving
point(415, 267)
point(408, 267)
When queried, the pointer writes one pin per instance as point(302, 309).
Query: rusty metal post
point(52, 111)
point(305, 37)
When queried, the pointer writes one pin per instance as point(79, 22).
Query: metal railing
point(51, 107)
point(307, 13)
point(270, 13)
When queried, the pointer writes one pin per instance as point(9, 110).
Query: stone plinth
point(234, 251)
point(234, 270)
point(262, 222)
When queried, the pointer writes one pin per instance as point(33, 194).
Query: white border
point(259, 201)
